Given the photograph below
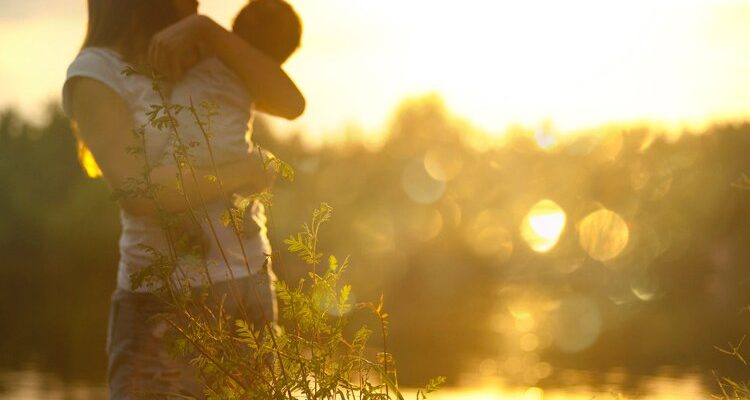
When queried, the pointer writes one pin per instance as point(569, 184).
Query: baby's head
point(271, 26)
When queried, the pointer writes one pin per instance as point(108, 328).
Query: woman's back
point(142, 235)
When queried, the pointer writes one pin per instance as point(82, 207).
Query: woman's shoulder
point(98, 63)
point(96, 60)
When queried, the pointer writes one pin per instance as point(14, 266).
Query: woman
point(105, 106)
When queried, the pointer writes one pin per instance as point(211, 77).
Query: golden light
point(644, 285)
point(534, 393)
point(579, 63)
point(603, 234)
point(543, 225)
point(424, 224)
point(442, 163)
point(419, 185)
point(576, 324)
point(379, 230)
point(545, 137)
point(529, 342)
point(328, 302)
point(609, 146)
point(487, 236)
point(494, 242)
point(543, 370)
point(524, 323)
point(88, 162)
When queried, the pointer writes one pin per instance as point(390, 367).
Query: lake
point(34, 385)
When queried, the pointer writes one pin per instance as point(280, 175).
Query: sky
point(577, 63)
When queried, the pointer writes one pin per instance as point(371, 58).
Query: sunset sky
point(578, 63)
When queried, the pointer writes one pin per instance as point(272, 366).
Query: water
point(34, 385)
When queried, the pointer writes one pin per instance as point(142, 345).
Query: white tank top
point(140, 233)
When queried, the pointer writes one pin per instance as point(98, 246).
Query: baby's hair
point(271, 26)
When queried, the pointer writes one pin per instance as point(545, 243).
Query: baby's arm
point(267, 108)
point(261, 76)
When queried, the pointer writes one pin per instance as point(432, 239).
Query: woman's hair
point(127, 25)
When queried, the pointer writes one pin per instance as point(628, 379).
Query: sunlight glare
point(534, 393)
point(328, 302)
point(87, 162)
point(579, 63)
point(543, 225)
point(545, 138)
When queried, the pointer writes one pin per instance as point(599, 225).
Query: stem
point(385, 352)
point(206, 354)
point(176, 135)
point(219, 181)
point(240, 304)
point(159, 208)
point(239, 239)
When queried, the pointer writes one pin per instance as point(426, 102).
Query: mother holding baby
point(193, 53)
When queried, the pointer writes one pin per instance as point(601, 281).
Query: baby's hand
point(176, 47)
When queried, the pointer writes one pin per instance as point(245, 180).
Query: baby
point(273, 27)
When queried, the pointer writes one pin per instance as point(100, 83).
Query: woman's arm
point(104, 123)
point(263, 77)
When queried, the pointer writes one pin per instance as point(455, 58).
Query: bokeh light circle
point(543, 225)
point(603, 234)
point(423, 224)
point(644, 285)
point(577, 324)
point(442, 163)
point(419, 185)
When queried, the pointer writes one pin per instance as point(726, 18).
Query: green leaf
point(434, 384)
point(333, 264)
point(344, 298)
point(226, 218)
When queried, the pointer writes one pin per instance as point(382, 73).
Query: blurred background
point(552, 196)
